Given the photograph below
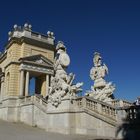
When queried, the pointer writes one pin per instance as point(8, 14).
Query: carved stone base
point(66, 104)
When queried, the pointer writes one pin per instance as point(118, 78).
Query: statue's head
point(60, 47)
point(97, 59)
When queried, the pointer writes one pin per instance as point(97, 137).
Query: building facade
point(27, 54)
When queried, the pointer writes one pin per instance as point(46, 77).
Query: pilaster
point(21, 83)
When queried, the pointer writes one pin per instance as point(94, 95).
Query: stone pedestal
point(61, 119)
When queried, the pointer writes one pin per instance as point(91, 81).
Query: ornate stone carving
point(36, 68)
point(62, 83)
point(40, 61)
point(2, 79)
point(101, 89)
point(50, 34)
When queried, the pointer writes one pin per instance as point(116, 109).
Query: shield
point(64, 59)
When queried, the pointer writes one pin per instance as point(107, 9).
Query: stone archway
point(37, 84)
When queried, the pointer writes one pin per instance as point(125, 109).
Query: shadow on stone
point(131, 124)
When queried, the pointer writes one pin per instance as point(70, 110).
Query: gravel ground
point(19, 131)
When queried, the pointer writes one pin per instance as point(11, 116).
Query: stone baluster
point(84, 102)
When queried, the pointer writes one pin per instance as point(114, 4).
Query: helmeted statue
point(62, 83)
point(98, 72)
point(101, 90)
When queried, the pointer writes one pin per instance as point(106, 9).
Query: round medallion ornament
point(64, 59)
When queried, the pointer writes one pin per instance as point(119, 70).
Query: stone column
point(2, 87)
point(21, 83)
point(47, 84)
point(27, 84)
point(0, 90)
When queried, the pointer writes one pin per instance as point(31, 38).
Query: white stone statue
point(62, 83)
point(101, 90)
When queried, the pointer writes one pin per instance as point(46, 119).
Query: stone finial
point(9, 33)
point(27, 26)
point(30, 26)
point(15, 27)
point(50, 34)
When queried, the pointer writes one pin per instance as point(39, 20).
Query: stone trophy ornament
point(64, 59)
point(62, 86)
point(101, 90)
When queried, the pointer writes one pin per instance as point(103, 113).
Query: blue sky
point(111, 27)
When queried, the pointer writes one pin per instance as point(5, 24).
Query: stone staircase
point(37, 100)
point(104, 111)
point(96, 108)
point(83, 114)
point(101, 110)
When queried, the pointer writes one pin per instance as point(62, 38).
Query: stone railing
point(27, 32)
point(120, 103)
point(92, 105)
point(36, 99)
point(108, 111)
point(132, 112)
point(87, 103)
point(24, 99)
point(40, 100)
point(27, 99)
point(39, 36)
point(96, 106)
point(79, 102)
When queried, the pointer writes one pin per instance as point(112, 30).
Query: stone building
point(55, 105)
point(27, 54)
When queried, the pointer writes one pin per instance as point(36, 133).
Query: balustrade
point(92, 105)
point(27, 98)
point(37, 35)
point(40, 100)
point(79, 102)
point(108, 111)
point(97, 106)
point(120, 103)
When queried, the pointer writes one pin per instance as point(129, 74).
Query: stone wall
point(28, 50)
point(67, 118)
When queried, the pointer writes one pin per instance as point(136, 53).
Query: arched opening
point(37, 84)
